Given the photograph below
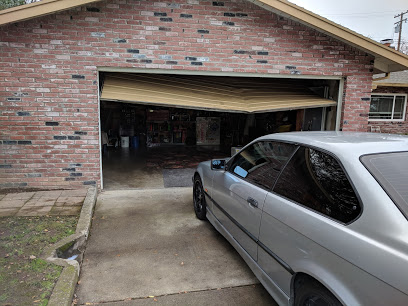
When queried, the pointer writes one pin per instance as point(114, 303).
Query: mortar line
point(170, 294)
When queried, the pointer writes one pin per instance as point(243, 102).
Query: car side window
point(316, 180)
point(262, 162)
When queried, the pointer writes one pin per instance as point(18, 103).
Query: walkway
point(40, 203)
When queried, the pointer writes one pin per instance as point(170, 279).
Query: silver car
point(319, 217)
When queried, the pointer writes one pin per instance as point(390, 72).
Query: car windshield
point(391, 171)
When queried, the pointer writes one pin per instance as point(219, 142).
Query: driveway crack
point(170, 294)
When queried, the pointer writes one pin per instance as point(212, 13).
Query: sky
point(372, 18)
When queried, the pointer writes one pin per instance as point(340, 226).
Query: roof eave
point(37, 9)
point(375, 85)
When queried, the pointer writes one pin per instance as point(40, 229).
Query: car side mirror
point(218, 164)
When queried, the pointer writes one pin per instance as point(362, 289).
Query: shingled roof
point(395, 79)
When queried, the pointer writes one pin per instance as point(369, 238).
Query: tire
point(200, 206)
point(312, 293)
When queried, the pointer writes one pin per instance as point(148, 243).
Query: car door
point(311, 192)
point(240, 191)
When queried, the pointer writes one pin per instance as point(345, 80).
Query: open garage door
point(212, 93)
point(156, 128)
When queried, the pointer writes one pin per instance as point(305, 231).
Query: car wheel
point(200, 207)
point(311, 293)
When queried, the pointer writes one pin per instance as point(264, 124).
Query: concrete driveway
point(146, 247)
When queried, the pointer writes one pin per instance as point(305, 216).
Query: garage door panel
point(170, 83)
point(223, 94)
point(190, 100)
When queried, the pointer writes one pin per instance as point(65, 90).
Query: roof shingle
point(400, 77)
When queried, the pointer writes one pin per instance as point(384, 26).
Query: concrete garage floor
point(149, 243)
point(126, 169)
point(162, 167)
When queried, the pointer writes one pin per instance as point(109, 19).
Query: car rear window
point(391, 171)
point(316, 180)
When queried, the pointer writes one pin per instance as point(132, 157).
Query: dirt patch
point(25, 278)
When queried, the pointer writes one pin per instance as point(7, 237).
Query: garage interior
point(156, 128)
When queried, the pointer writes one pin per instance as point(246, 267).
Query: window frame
point(394, 95)
point(231, 160)
point(299, 145)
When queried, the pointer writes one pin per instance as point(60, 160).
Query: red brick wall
point(356, 103)
point(395, 127)
point(48, 76)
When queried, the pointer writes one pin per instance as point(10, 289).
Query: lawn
point(25, 278)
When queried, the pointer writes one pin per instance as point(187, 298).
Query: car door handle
point(252, 202)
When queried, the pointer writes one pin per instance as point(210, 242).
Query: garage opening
point(156, 128)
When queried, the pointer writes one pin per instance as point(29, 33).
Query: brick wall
point(48, 76)
point(396, 127)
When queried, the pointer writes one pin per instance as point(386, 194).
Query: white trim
point(339, 104)
point(393, 106)
point(218, 73)
point(100, 132)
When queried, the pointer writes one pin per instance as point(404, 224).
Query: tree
point(404, 46)
point(5, 4)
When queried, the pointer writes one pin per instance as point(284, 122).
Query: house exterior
point(54, 52)
point(390, 94)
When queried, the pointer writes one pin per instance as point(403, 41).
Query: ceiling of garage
point(211, 93)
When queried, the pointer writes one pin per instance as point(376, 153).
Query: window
point(391, 171)
point(316, 180)
point(262, 162)
point(387, 107)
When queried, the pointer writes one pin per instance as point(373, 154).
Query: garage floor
point(161, 167)
point(148, 243)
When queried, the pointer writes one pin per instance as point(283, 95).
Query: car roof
point(345, 143)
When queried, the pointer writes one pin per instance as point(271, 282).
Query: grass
point(25, 278)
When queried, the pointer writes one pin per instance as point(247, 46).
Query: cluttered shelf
point(165, 128)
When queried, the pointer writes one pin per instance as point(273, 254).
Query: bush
point(5, 4)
